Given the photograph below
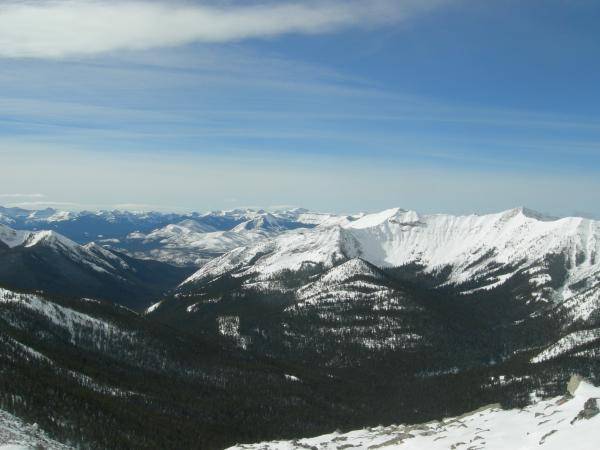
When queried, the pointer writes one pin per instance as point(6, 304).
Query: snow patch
point(550, 424)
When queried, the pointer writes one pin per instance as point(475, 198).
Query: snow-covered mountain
point(558, 258)
point(90, 255)
point(316, 321)
point(12, 238)
point(48, 261)
point(568, 421)
point(189, 242)
point(86, 226)
point(79, 367)
point(368, 283)
point(183, 239)
point(197, 241)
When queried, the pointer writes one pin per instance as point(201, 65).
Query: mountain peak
point(529, 213)
point(50, 238)
point(12, 238)
point(394, 215)
point(264, 221)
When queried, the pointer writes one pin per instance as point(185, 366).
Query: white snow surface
point(70, 320)
point(193, 242)
point(581, 306)
point(266, 222)
point(518, 236)
point(339, 276)
point(471, 245)
point(189, 241)
point(50, 238)
point(568, 343)
point(549, 424)
point(12, 238)
point(290, 250)
point(153, 307)
point(92, 255)
point(15, 434)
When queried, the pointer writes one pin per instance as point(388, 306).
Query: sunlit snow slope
point(555, 424)
point(18, 435)
point(558, 258)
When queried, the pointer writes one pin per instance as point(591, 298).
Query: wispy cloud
point(44, 204)
point(60, 28)
point(24, 196)
point(40, 205)
point(143, 207)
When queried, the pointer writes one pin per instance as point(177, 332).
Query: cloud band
point(62, 28)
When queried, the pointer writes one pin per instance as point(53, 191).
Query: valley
point(316, 322)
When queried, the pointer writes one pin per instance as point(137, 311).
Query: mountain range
point(47, 261)
point(291, 323)
point(182, 239)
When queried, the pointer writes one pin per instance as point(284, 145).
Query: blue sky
point(434, 105)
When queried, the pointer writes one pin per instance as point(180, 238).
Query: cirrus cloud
point(22, 196)
point(62, 28)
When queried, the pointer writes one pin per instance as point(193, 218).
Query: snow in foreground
point(17, 435)
point(559, 423)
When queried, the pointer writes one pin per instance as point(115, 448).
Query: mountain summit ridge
point(466, 248)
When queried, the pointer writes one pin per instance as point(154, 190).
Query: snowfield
point(12, 238)
point(490, 249)
point(571, 421)
point(17, 435)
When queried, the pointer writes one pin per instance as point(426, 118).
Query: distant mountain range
point(47, 261)
point(558, 258)
point(317, 321)
point(365, 282)
point(182, 239)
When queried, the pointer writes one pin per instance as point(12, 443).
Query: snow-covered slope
point(76, 326)
point(15, 434)
point(518, 238)
point(165, 236)
point(12, 238)
point(50, 239)
point(190, 245)
point(557, 258)
point(86, 226)
point(290, 251)
point(91, 254)
point(194, 242)
point(555, 424)
point(48, 261)
point(264, 222)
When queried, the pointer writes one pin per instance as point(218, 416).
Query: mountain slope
point(562, 422)
point(80, 367)
point(12, 238)
point(408, 293)
point(342, 323)
point(17, 435)
point(195, 242)
point(47, 261)
point(183, 244)
point(555, 258)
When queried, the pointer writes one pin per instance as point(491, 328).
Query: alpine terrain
point(246, 326)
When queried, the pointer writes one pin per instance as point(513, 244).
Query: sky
point(453, 106)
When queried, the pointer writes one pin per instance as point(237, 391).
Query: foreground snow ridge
point(571, 421)
point(15, 434)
